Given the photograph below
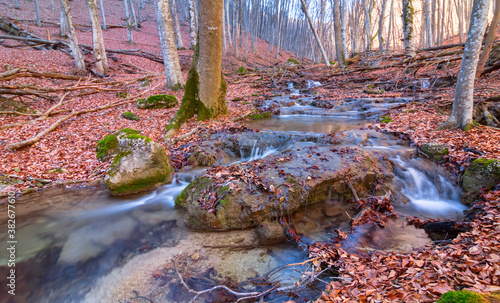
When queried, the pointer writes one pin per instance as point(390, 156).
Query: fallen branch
point(54, 125)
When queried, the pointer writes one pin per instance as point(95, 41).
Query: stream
point(84, 245)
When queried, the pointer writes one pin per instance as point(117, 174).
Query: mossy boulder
point(242, 71)
point(130, 116)
point(435, 151)
point(465, 296)
point(141, 164)
point(107, 148)
point(482, 173)
point(292, 63)
point(157, 102)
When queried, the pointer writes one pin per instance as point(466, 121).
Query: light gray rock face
point(140, 165)
point(434, 151)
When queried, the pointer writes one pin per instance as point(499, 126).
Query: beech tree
point(339, 48)
point(168, 47)
point(101, 60)
point(461, 115)
point(488, 42)
point(311, 24)
point(205, 91)
point(73, 42)
point(408, 28)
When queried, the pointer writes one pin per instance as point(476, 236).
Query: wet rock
point(157, 102)
point(208, 155)
point(482, 173)
point(435, 151)
point(280, 184)
point(140, 165)
point(107, 148)
point(270, 232)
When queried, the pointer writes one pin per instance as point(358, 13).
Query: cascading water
point(257, 153)
point(430, 194)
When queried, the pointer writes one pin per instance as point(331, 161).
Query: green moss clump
point(373, 91)
point(157, 102)
point(142, 184)
point(242, 71)
point(255, 95)
point(292, 61)
point(130, 116)
point(146, 82)
point(462, 296)
point(267, 115)
point(385, 119)
point(181, 198)
point(256, 117)
point(107, 147)
point(237, 99)
point(127, 131)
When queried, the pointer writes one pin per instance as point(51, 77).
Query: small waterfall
point(257, 152)
point(311, 84)
point(431, 196)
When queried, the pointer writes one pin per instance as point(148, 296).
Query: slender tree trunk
point(428, 26)
point(63, 23)
point(408, 28)
point(103, 16)
point(168, 47)
point(343, 13)
point(461, 115)
point(132, 14)
point(16, 4)
point(101, 60)
point(192, 24)
point(37, 13)
point(367, 24)
point(391, 13)
point(177, 26)
point(73, 42)
point(381, 27)
point(488, 42)
point(129, 22)
point(339, 49)
point(52, 6)
point(205, 87)
point(311, 24)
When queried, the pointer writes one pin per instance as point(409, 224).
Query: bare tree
point(381, 27)
point(177, 27)
point(461, 115)
point(205, 87)
point(192, 24)
point(128, 20)
point(488, 42)
point(73, 42)
point(37, 13)
point(103, 16)
point(339, 49)
point(408, 28)
point(168, 47)
point(101, 60)
point(311, 24)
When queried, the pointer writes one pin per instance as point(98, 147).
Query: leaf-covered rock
point(482, 173)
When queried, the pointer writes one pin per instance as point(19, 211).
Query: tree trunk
point(168, 47)
point(63, 24)
point(73, 42)
point(103, 16)
point(381, 27)
point(192, 24)
point(461, 115)
point(177, 26)
point(339, 49)
point(488, 43)
point(311, 24)
point(129, 22)
point(37, 13)
point(408, 28)
point(205, 87)
point(16, 4)
point(101, 60)
point(367, 24)
point(132, 14)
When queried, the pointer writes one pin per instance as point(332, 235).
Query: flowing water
point(84, 245)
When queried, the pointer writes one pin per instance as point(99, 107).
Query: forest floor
point(67, 155)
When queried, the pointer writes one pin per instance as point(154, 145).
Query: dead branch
point(24, 72)
point(246, 295)
point(54, 125)
point(349, 184)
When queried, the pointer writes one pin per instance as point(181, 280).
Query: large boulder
point(246, 194)
point(140, 165)
point(482, 173)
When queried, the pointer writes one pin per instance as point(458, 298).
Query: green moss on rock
point(107, 147)
point(130, 116)
point(385, 119)
point(292, 61)
point(435, 151)
point(242, 71)
point(126, 131)
point(482, 173)
point(462, 296)
point(157, 102)
point(137, 136)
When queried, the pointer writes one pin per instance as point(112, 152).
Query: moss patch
point(107, 147)
point(462, 296)
point(385, 119)
point(157, 102)
point(292, 61)
point(130, 116)
point(242, 71)
point(141, 184)
point(127, 131)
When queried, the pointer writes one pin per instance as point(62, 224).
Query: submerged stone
point(157, 102)
point(482, 173)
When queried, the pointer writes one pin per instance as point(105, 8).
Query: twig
point(352, 190)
